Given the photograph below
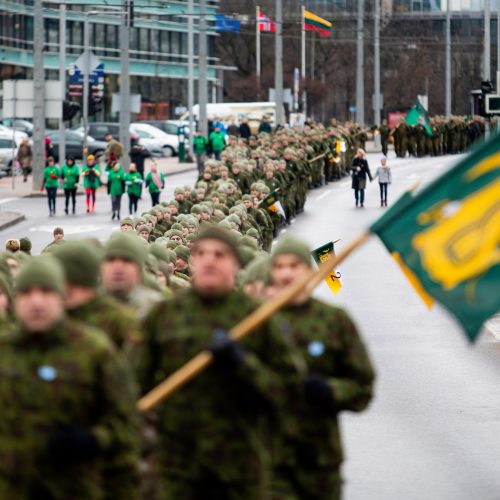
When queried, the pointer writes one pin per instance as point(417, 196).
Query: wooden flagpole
point(202, 360)
point(317, 158)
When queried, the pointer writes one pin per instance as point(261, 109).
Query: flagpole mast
point(303, 63)
point(360, 85)
point(278, 55)
point(257, 50)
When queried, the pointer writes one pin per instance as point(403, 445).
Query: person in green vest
point(200, 145)
point(91, 174)
point(155, 182)
point(50, 183)
point(71, 176)
point(133, 181)
point(116, 187)
point(217, 142)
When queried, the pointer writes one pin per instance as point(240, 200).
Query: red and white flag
point(264, 23)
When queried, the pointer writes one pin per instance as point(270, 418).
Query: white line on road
point(7, 200)
point(322, 195)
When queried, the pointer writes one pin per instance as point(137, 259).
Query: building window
point(52, 33)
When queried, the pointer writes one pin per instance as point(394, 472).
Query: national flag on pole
point(418, 114)
point(322, 254)
point(447, 237)
point(227, 23)
point(264, 23)
point(272, 203)
point(312, 22)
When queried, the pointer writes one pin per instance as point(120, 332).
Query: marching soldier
point(202, 454)
point(338, 376)
point(67, 405)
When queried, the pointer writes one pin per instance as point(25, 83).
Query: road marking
point(343, 184)
point(84, 228)
point(7, 200)
point(322, 195)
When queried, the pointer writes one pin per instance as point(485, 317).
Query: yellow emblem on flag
point(464, 242)
point(321, 255)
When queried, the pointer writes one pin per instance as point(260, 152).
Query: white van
point(236, 111)
point(8, 153)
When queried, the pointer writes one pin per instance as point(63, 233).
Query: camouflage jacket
point(70, 375)
point(217, 424)
point(328, 341)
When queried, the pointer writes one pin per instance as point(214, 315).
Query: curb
point(15, 218)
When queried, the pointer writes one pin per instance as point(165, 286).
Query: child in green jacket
point(116, 187)
point(50, 183)
point(133, 181)
point(71, 176)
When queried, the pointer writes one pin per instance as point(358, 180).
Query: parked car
point(168, 126)
point(99, 131)
point(169, 143)
point(74, 144)
point(21, 125)
point(8, 153)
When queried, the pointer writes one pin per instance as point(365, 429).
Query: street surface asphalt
point(432, 431)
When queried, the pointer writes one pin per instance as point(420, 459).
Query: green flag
point(447, 237)
point(418, 114)
point(272, 203)
point(320, 255)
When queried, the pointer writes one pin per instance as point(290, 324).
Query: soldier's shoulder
point(88, 338)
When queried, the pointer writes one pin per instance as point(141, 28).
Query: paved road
point(433, 430)
point(38, 226)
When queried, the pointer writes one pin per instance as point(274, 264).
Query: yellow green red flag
point(312, 22)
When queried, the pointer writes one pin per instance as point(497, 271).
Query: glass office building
point(158, 44)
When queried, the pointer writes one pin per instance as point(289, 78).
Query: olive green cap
point(216, 232)
point(294, 246)
point(81, 263)
point(41, 272)
point(127, 246)
point(182, 252)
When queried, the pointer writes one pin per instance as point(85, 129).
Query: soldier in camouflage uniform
point(81, 262)
point(220, 450)
point(122, 273)
point(337, 376)
point(67, 405)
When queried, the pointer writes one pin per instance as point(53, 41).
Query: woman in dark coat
point(360, 170)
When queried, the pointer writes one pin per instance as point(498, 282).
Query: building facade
point(158, 44)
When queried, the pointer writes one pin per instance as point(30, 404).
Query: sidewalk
point(168, 166)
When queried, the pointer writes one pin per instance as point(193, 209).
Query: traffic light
point(95, 105)
point(70, 109)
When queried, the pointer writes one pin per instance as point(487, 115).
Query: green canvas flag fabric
point(447, 236)
point(418, 114)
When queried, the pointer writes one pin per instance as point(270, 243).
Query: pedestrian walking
point(116, 188)
point(25, 157)
point(217, 142)
point(114, 150)
point(245, 131)
point(384, 179)
point(133, 182)
point(360, 170)
point(51, 177)
point(200, 145)
point(91, 180)
point(138, 154)
point(70, 174)
point(155, 182)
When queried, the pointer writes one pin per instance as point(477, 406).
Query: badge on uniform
point(47, 373)
point(316, 348)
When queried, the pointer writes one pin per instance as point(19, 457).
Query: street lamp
point(86, 75)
